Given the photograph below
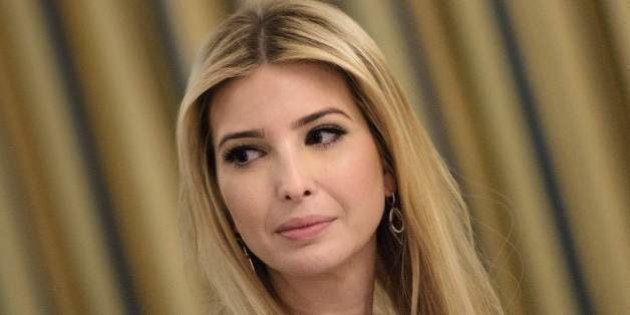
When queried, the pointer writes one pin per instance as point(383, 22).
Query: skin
point(327, 167)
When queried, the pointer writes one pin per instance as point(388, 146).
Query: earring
point(246, 252)
point(395, 212)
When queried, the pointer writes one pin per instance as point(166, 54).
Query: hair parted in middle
point(435, 269)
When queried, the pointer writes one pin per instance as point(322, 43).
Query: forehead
point(276, 95)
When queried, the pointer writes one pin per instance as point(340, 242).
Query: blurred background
point(528, 101)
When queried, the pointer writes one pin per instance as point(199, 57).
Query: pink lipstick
point(304, 228)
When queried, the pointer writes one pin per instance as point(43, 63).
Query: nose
point(293, 180)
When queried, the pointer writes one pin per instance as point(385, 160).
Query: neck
point(348, 289)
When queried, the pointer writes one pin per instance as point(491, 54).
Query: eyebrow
point(259, 133)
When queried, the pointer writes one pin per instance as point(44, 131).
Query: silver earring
point(395, 212)
point(246, 252)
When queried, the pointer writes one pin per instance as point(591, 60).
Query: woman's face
point(298, 168)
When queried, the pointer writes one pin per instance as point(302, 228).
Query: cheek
point(358, 176)
point(245, 197)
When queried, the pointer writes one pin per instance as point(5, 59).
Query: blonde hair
point(435, 270)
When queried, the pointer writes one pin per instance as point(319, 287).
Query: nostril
point(289, 196)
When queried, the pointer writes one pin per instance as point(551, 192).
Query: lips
point(304, 228)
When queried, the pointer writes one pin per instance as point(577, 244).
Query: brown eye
point(324, 135)
point(243, 155)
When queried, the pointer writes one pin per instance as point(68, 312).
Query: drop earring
point(396, 215)
point(245, 252)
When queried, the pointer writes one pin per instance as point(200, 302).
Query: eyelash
point(232, 155)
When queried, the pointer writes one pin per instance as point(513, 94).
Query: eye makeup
point(241, 155)
point(320, 137)
point(325, 135)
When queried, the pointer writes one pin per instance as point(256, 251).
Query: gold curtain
point(528, 101)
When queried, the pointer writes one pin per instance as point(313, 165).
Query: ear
point(389, 183)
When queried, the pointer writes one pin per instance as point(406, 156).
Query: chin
point(310, 260)
point(308, 267)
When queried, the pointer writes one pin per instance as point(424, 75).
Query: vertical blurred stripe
point(530, 115)
point(134, 138)
point(38, 209)
point(59, 207)
point(379, 19)
point(166, 37)
point(94, 181)
point(495, 98)
point(491, 220)
point(18, 283)
point(568, 76)
point(157, 41)
point(613, 41)
point(432, 107)
point(616, 14)
point(191, 22)
point(21, 279)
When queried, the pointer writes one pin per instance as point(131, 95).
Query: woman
point(308, 184)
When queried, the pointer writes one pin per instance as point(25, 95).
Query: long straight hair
point(435, 269)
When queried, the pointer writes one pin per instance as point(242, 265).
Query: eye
point(324, 135)
point(240, 156)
